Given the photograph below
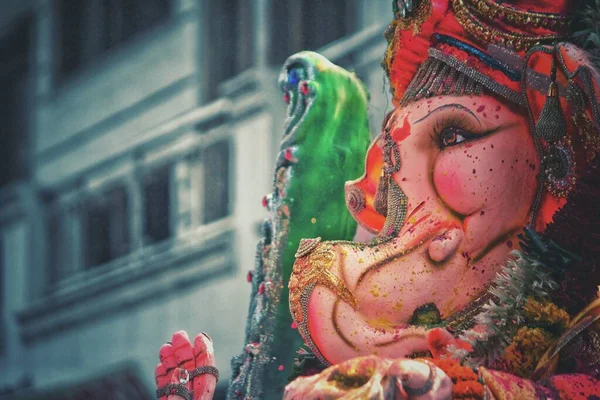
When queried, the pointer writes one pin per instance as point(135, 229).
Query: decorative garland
point(466, 382)
point(522, 321)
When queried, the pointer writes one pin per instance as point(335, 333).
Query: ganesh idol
point(455, 256)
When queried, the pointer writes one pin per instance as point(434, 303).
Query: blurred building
point(137, 140)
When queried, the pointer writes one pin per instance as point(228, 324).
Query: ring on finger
point(427, 386)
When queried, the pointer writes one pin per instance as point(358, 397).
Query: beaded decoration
point(411, 16)
point(476, 27)
point(519, 18)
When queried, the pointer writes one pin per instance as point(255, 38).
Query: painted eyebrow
point(445, 106)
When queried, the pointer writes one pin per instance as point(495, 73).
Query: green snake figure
point(325, 140)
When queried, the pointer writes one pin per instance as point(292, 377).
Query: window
point(87, 230)
point(229, 41)
point(106, 226)
point(216, 181)
point(63, 238)
point(87, 29)
point(14, 64)
point(306, 25)
point(157, 198)
point(3, 323)
point(57, 250)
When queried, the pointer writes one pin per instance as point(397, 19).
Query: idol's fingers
point(162, 378)
point(184, 354)
point(169, 361)
point(204, 354)
point(167, 357)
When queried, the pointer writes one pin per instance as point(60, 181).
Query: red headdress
point(516, 50)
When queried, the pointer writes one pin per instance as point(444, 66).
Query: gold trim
point(515, 17)
point(315, 268)
point(479, 29)
point(415, 21)
point(306, 246)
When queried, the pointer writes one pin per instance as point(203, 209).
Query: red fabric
point(409, 50)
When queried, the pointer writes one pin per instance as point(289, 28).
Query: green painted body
point(327, 136)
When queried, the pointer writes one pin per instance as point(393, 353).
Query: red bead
point(288, 154)
point(249, 276)
point(304, 88)
point(264, 201)
point(286, 98)
point(261, 288)
point(294, 325)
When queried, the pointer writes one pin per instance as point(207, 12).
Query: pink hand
point(178, 360)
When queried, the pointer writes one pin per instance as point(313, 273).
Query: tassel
point(551, 125)
point(381, 196)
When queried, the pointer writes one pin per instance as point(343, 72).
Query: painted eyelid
point(466, 132)
point(470, 135)
point(461, 132)
point(458, 122)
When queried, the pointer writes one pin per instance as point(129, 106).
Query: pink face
point(480, 172)
point(468, 169)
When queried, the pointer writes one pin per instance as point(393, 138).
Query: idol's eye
point(452, 136)
point(455, 129)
